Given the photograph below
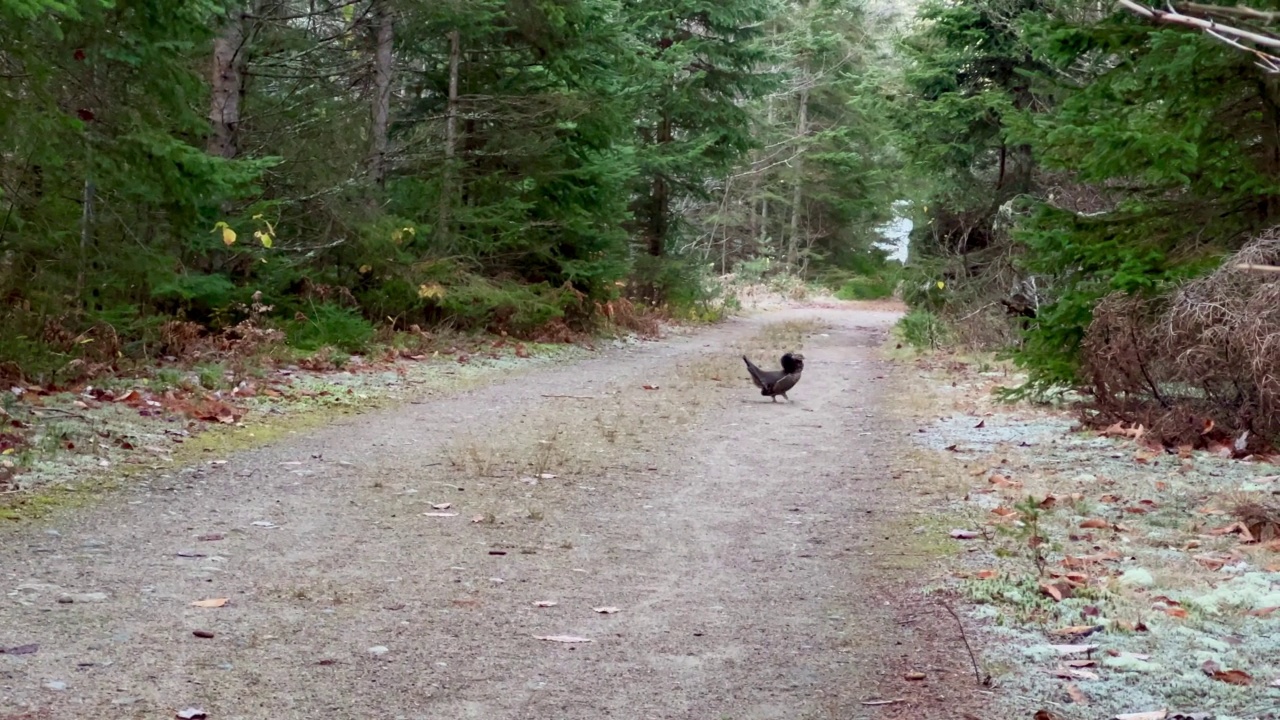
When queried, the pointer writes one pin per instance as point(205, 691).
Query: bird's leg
point(773, 398)
point(784, 395)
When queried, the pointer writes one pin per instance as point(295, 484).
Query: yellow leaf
point(264, 238)
point(228, 235)
point(366, 269)
point(211, 603)
point(258, 216)
point(7, 451)
point(431, 290)
point(941, 285)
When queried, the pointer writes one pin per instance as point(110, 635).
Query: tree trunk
point(450, 137)
point(764, 201)
point(229, 59)
point(660, 199)
point(802, 129)
point(382, 60)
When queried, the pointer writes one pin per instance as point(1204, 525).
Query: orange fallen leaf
point(1176, 612)
point(1263, 612)
point(1210, 562)
point(211, 603)
point(1233, 677)
point(1095, 523)
point(1001, 481)
point(1234, 527)
point(986, 574)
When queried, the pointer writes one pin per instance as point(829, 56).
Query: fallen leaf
point(545, 603)
point(1263, 612)
point(986, 574)
point(1057, 591)
point(914, 676)
point(1077, 695)
point(1045, 715)
point(440, 514)
point(1235, 527)
point(191, 714)
point(202, 634)
point(210, 537)
point(1001, 481)
point(608, 610)
point(649, 387)
point(1149, 715)
point(441, 506)
point(981, 424)
point(964, 534)
point(1080, 663)
point(563, 638)
point(1210, 562)
point(1095, 523)
point(211, 603)
point(1176, 612)
point(1232, 677)
point(477, 518)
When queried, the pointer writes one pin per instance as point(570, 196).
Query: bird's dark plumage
point(773, 383)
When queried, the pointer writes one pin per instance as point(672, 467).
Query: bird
point(773, 383)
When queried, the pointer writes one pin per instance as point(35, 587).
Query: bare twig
point(60, 411)
point(573, 397)
point(1215, 29)
point(884, 702)
point(1258, 268)
point(977, 674)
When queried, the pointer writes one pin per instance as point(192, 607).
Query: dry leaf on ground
point(607, 610)
point(964, 534)
point(545, 603)
point(211, 603)
point(1077, 695)
point(563, 638)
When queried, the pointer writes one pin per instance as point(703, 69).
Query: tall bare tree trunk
point(764, 201)
point(450, 137)
point(802, 129)
point(229, 59)
point(382, 59)
point(660, 197)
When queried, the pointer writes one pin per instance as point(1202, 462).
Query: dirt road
point(392, 566)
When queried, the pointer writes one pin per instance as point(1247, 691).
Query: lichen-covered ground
point(1102, 577)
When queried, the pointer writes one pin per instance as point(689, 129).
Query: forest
point(1085, 180)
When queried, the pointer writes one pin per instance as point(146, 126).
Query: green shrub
point(922, 329)
point(497, 305)
point(330, 325)
point(866, 288)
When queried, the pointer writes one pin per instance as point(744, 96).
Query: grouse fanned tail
point(773, 383)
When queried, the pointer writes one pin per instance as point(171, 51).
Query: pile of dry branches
point(1199, 365)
